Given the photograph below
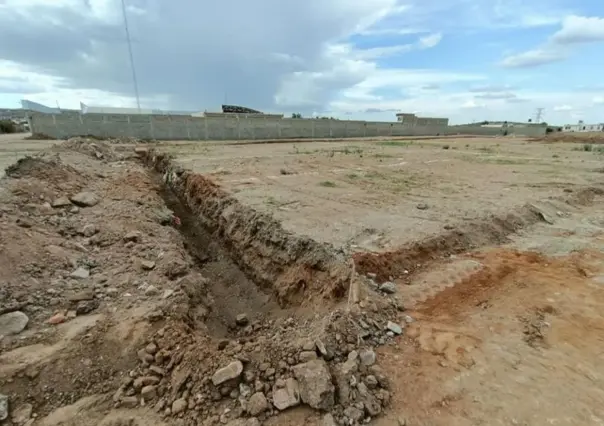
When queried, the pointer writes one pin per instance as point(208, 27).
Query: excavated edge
point(296, 268)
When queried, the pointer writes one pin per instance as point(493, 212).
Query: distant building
point(582, 127)
point(414, 120)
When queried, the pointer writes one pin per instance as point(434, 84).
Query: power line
point(134, 80)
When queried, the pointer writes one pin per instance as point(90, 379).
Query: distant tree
point(296, 115)
point(530, 120)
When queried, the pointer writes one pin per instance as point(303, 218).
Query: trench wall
point(162, 127)
point(296, 269)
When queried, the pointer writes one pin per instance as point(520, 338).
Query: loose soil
point(136, 300)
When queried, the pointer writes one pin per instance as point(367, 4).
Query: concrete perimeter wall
point(62, 126)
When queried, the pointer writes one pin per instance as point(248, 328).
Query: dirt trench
point(296, 269)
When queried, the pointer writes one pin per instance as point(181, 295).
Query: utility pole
point(134, 80)
point(539, 115)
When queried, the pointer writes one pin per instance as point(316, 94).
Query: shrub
point(7, 126)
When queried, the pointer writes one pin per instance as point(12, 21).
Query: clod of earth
point(13, 323)
point(231, 371)
point(85, 199)
point(22, 414)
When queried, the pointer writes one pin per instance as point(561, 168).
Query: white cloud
point(563, 108)
point(598, 100)
point(532, 58)
point(580, 29)
point(430, 40)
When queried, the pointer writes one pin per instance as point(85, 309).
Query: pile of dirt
point(115, 290)
point(100, 150)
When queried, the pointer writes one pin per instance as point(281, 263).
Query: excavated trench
point(261, 266)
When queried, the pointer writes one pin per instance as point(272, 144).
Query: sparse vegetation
point(395, 143)
point(7, 126)
point(328, 184)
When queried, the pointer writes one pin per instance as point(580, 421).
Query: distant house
point(582, 127)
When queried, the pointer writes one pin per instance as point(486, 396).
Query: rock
point(321, 347)
point(57, 319)
point(344, 373)
point(394, 327)
point(231, 371)
point(167, 294)
point(61, 202)
point(367, 357)
point(86, 306)
point(81, 295)
point(257, 404)
point(24, 223)
point(85, 199)
point(354, 414)
point(149, 392)
point(388, 287)
point(151, 348)
point(422, 206)
point(288, 396)
point(141, 151)
point(147, 264)
point(402, 421)
point(328, 420)
point(242, 320)
point(80, 273)
point(3, 407)
point(22, 414)
point(179, 406)
point(409, 319)
point(371, 381)
point(316, 388)
point(370, 402)
point(141, 382)
point(129, 402)
point(134, 236)
point(88, 230)
point(13, 323)
point(151, 290)
point(306, 356)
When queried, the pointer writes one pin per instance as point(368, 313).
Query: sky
point(469, 60)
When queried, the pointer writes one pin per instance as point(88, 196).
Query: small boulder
point(147, 264)
point(328, 420)
point(242, 320)
point(13, 323)
point(149, 392)
point(257, 404)
point(388, 287)
point(179, 406)
point(316, 387)
point(80, 273)
point(3, 407)
point(85, 199)
point(134, 236)
point(231, 371)
point(61, 202)
point(367, 357)
point(306, 356)
point(394, 327)
point(288, 396)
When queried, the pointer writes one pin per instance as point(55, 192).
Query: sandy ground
point(498, 334)
point(381, 194)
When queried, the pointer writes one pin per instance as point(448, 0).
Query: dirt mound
point(49, 169)
point(94, 148)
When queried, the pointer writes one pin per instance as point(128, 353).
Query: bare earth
point(494, 248)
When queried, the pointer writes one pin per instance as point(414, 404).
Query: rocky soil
point(119, 287)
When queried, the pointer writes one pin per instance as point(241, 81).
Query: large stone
point(367, 357)
point(316, 388)
point(231, 371)
point(85, 199)
point(13, 323)
point(3, 407)
point(257, 404)
point(388, 287)
point(394, 327)
point(343, 377)
point(80, 273)
point(289, 396)
point(179, 406)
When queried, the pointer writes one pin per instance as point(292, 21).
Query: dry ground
point(372, 191)
point(505, 331)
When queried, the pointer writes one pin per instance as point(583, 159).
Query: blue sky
point(467, 60)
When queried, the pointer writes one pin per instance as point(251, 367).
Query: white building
point(582, 127)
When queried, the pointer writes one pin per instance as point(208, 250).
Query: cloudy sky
point(463, 59)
